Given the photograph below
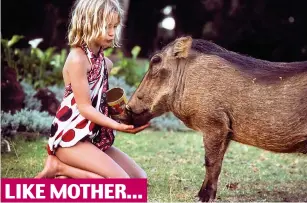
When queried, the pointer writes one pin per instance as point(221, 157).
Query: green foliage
point(8, 52)
point(46, 66)
point(57, 62)
point(38, 67)
point(131, 68)
point(108, 52)
point(43, 68)
point(135, 52)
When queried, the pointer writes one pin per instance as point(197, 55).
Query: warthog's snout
point(131, 118)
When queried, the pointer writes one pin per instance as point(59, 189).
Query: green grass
point(174, 165)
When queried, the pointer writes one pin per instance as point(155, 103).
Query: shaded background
point(274, 30)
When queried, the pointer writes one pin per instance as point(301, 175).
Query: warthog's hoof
point(206, 194)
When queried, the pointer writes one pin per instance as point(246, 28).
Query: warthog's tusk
point(128, 108)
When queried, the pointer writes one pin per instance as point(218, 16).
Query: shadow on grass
point(292, 192)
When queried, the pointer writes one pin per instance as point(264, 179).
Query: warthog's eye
point(155, 60)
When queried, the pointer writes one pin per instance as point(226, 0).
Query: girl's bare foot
point(51, 169)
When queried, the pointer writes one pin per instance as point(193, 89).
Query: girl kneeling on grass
point(82, 133)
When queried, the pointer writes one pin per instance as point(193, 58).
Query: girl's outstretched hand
point(130, 128)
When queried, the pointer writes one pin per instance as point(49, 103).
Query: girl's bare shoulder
point(76, 59)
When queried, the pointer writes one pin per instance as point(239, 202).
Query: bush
point(30, 102)
point(25, 120)
point(58, 90)
point(168, 122)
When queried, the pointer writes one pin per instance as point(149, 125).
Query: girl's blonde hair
point(90, 19)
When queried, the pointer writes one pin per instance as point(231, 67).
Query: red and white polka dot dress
point(69, 126)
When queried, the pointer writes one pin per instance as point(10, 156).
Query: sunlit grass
point(174, 165)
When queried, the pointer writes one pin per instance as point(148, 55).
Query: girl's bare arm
point(77, 65)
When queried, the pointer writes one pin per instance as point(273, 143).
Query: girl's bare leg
point(61, 177)
point(87, 157)
point(128, 164)
point(54, 168)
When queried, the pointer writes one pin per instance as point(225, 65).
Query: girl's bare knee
point(62, 177)
point(94, 176)
point(123, 175)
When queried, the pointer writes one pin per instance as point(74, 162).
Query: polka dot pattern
point(73, 101)
point(91, 127)
point(69, 126)
point(82, 124)
point(64, 113)
point(69, 135)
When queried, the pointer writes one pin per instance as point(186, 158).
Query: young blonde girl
point(82, 133)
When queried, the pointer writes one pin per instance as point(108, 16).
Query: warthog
point(226, 96)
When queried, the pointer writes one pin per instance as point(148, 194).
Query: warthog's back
point(266, 101)
point(272, 116)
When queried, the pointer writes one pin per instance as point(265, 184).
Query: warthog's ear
point(182, 47)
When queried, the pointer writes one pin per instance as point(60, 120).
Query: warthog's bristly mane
point(254, 67)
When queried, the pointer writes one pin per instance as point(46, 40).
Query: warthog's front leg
point(216, 140)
